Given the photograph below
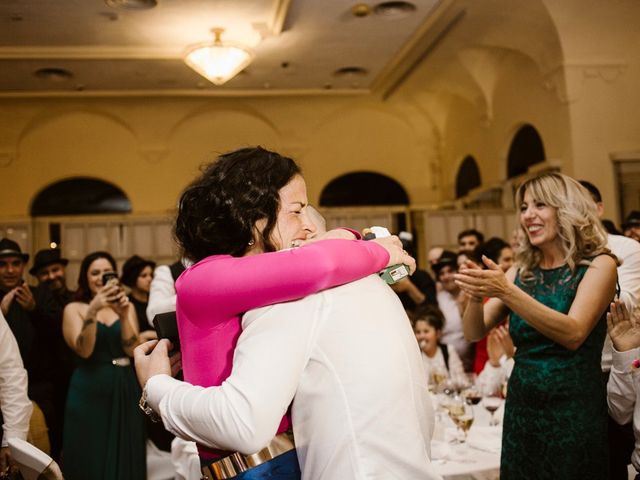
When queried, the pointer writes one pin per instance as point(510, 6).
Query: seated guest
point(452, 301)
point(497, 369)
point(15, 406)
point(468, 240)
point(439, 360)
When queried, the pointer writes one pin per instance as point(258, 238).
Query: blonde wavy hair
point(579, 226)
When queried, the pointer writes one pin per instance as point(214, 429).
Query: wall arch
point(363, 188)
point(468, 176)
point(526, 149)
point(80, 196)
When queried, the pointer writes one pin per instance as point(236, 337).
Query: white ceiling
point(299, 44)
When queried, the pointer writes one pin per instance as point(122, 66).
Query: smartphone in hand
point(109, 277)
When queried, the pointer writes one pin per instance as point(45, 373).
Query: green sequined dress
point(104, 435)
point(555, 423)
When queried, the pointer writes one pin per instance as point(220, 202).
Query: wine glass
point(492, 403)
point(462, 415)
point(437, 377)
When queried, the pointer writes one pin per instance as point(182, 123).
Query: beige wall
point(152, 147)
point(573, 77)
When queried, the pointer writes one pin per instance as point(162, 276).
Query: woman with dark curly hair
point(104, 429)
point(241, 223)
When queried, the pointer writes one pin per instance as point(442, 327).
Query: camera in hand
point(167, 327)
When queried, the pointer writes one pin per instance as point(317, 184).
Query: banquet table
point(476, 459)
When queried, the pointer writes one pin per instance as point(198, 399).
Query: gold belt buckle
point(236, 463)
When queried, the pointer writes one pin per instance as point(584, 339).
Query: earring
point(251, 243)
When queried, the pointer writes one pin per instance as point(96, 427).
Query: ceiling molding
point(89, 53)
point(437, 25)
point(309, 92)
point(281, 9)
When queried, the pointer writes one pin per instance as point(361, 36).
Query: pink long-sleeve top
point(213, 294)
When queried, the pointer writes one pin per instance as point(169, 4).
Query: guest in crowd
point(631, 225)
point(418, 288)
point(104, 429)
point(499, 365)
point(249, 202)
point(162, 292)
point(623, 387)
point(500, 252)
point(137, 274)
point(440, 361)
point(31, 315)
point(15, 406)
point(621, 439)
point(49, 268)
point(468, 240)
point(555, 423)
point(452, 301)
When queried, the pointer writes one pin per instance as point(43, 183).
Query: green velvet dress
point(555, 423)
point(104, 428)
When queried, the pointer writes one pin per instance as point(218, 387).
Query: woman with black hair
point(241, 223)
point(104, 429)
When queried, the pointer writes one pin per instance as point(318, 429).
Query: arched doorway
point(80, 196)
point(526, 149)
point(468, 176)
point(363, 188)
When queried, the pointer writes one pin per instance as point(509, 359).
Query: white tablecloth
point(477, 459)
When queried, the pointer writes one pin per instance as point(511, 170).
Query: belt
point(121, 361)
point(236, 463)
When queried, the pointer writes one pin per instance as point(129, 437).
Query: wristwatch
point(146, 408)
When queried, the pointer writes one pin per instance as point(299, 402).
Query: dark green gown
point(104, 428)
point(555, 423)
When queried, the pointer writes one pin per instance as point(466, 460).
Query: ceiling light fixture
point(219, 61)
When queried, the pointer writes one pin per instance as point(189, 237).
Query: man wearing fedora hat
point(31, 315)
point(49, 268)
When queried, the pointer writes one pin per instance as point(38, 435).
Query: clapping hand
point(624, 328)
point(499, 343)
point(482, 283)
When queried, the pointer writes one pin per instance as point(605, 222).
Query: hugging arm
point(243, 414)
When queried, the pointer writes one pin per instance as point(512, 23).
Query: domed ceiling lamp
point(219, 61)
